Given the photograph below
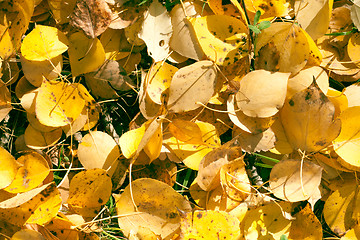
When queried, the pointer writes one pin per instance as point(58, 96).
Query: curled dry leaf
point(190, 85)
point(152, 204)
point(295, 180)
point(91, 16)
point(264, 101)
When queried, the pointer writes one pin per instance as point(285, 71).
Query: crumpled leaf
point(192, 84)
point(91, 16)
point(295, 180)
point(157, 207)
point(156, 31)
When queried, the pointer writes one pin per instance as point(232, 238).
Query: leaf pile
point(247, 120)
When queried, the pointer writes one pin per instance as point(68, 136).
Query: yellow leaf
point(308, 120)
point(283, 47)
point(61, 10)
point(85, 55)
point(38, 205)
point(267, 222)
point(190, 85)
point(295, 180)
point(353, 233)
point(58, 103)
point(264, 101)
point(36, 139)
point(9, 168)
point(156, 207)
point(268, 8)
point(89, 190)
point(115, 44)
point(347, 144)
point(305, 219)
point(339, 207)
point(223, 39)
point(15, 17)
point(44, 43)
point(353, 48)
point(98, 150)
point(186, 131)
point(5, 101)
point(34, 169)
point(25, 234)
point(209, 225)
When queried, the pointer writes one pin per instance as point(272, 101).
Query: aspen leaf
point(223, 39)
point(126, 13)
point(27, 234)
point(256, 142)
point(353, 233)
point(191, 154)
point(346, 145)
point(115, 45)
point(282, 145)
point(158, 80)
point(339, 208)
point(15, 17)
point(61, 10)
point(267, 222)
point(295, 180)
point(248, 124)
point(183, 39)
point(208, 176)
point(91, 16)
point(31, 173)
point(129, 141)
point(58, 103)
point(9, 168)
point(339, 99)
point(353, 48)
point(305, 78)
point(100, 88)
point(98, 150)
point(5, 101)
point(352, 94)
point(283, 47)
point(200, 224)
point(264, 101)
point(85, 55)
point(35, 71)
point(36, 139)
point(156, 31)
point(132, 32)
point(192, 84)
point(186, 131)
point(44, 43)
point(308, 120)
point(314, 16)
point(89, 190)
point(23, 86)
point(34, 122)
point(268, 9)
point(305, 219)
point(235, 181)
point(38, 205)
point(160, 213)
